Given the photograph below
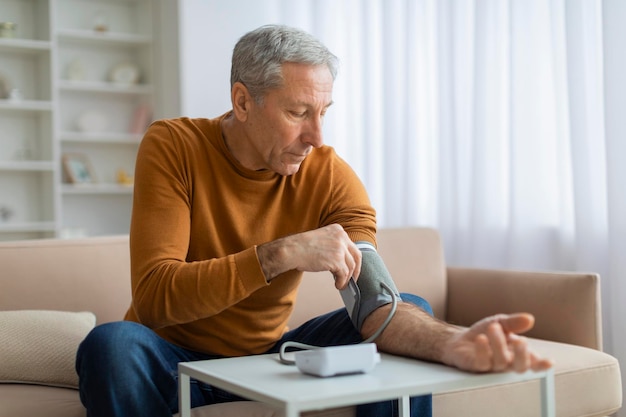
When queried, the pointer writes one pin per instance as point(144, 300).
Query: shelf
point(26, 105)
point(59, 70)
point(101, 138)
point(115, 38)
point(24, 46)
point(96, 189)
point(9, 227)
point(26, 166)
point(104, 87)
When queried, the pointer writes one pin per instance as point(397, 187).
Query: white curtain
point(485, 120)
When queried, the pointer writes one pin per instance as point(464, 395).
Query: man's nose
point(313, 134)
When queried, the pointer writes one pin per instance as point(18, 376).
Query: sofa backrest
point(91, 274)
point(414, 258)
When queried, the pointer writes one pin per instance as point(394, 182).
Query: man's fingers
point(351, 267)
point(505, 349)
point(522, 361)
point(342, 276)
point(511, 323)
point(482, 359)
point(356, 258)
point(540, 364)
point(499, 347)
point(517, 322)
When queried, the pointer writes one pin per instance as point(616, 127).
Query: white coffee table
point(262, 378)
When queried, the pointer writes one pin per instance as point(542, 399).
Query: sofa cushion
point(587, 382)
point(88, 274)
point(21, 400)
point(39, 346)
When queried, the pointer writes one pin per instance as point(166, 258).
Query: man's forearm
point(412, 332)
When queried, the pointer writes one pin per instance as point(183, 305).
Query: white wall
point(209, 30)
point(167, 55)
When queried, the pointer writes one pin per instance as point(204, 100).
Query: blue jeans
point(126, 369)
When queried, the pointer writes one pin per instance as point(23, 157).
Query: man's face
point(287, 125)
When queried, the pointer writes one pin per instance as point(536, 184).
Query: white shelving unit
point(78, 79)
point(27, 156)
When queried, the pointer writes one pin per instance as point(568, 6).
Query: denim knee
point(111, 340)
point(418, 301)
point(124, 369)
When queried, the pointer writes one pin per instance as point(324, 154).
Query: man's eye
point(298, 114)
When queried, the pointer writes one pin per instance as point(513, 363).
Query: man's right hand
point(325, 249)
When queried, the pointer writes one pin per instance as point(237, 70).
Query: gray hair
point(258, 57)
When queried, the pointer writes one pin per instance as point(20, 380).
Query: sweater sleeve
point(350, 205)
point(166, 288)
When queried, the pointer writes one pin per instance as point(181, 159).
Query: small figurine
point(5, 213)
point(8, 29)
point(100, 22)
point(123, 178)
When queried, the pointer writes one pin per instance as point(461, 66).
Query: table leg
point(291, 411)
point(547, 394)
point(184, 395)
point(404, 403)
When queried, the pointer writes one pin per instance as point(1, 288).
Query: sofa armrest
point(566, 306)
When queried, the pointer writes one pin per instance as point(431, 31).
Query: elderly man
point(227, 214)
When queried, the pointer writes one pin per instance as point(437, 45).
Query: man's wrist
point(272, 258)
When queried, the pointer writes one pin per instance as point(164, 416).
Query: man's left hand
point(494, 345)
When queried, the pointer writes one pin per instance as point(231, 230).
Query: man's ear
point(241, 99)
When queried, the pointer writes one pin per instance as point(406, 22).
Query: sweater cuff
point(249, 270)
point(359, 236)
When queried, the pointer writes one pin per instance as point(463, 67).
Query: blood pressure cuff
point(368, 294)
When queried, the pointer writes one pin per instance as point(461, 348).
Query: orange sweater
point(197, 218)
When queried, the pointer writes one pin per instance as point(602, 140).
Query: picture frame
point(78, 169)
point(5, 87)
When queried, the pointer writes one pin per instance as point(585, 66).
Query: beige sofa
point(93, 275)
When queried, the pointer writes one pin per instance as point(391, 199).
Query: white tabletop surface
point(263, 378)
